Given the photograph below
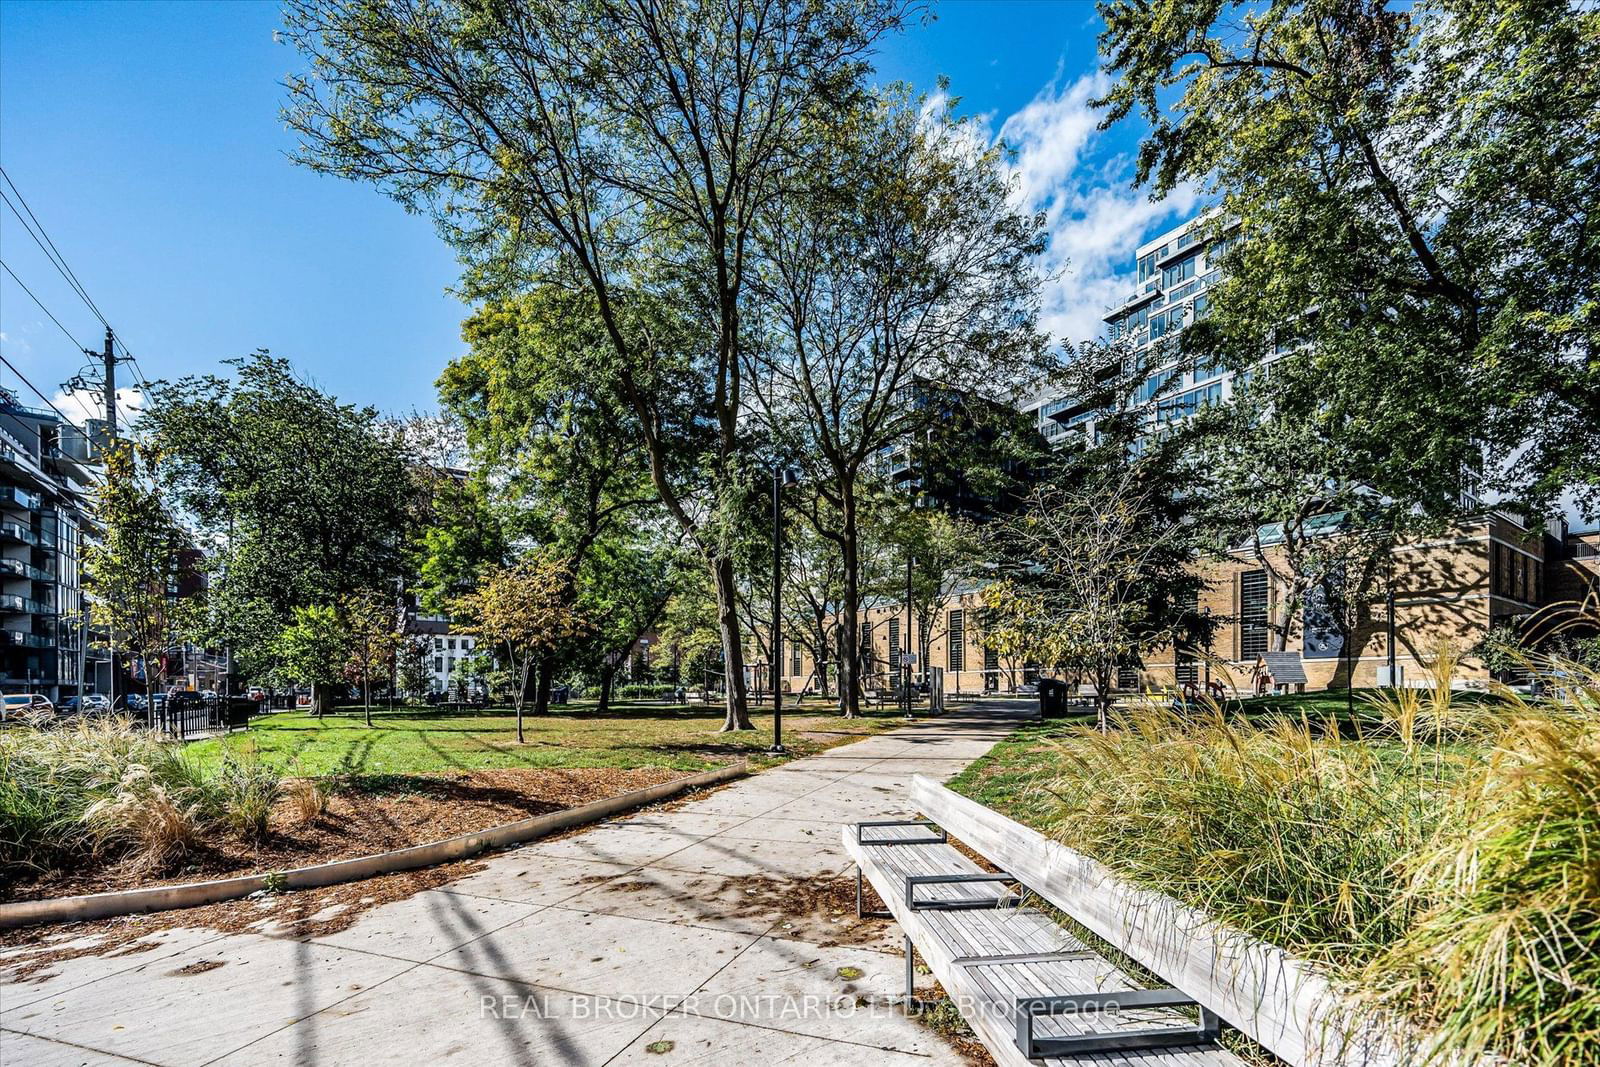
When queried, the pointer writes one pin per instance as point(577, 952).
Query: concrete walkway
point(668, 937)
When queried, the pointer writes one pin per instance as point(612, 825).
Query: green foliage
point(140, 553)
point(310, 500)
point(314, 649)
point(1418, 221)
point(647, 691)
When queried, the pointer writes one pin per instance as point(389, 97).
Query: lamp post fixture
point(780, 478)
point(905, 657)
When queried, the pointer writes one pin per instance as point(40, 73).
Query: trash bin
point(1052, 698)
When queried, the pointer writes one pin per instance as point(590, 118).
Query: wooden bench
point(1031, 991)
point(989, 955)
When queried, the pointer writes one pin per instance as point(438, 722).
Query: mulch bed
point(365, 816)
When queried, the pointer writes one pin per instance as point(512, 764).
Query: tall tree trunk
point(736, 708)
point(849, 648)
point(547, 674)
point(608, 675)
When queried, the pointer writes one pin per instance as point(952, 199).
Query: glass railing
point(26, 536)
point(24, 639)
point(13, 602)
point(10, 494)
point(22, 569)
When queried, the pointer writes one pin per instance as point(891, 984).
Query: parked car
point(92, 704)
point(25, 707)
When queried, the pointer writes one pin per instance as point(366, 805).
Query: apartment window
point(451, 644)
point(1252, 613)
point(438, 644)
point(438, 664)
point(894, 644)
point(795, 665)
point(1186, 239)
point(1179, 272)
point(1147, 266)
point(956, 640)
point(866, 643)
point(991, 659)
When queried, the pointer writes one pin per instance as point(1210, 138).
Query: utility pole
point(109, 358)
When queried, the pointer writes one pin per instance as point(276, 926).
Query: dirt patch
point(198, 967)
point(819, 910)
point(364, 816)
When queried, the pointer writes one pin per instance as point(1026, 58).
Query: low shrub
point(639, 691)
point(307, 798)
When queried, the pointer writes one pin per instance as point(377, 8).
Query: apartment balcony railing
point(10, 531)
point(11, 494)
point(14, 603)
point(17, 568)
point(24, 639)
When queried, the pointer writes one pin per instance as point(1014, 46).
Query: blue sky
point(146, 138)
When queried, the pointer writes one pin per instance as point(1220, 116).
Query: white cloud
point(1094, 218)
point(81, 405)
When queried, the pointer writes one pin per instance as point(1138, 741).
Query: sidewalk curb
point(462, 846)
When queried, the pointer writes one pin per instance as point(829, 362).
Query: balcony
point(12, 603)
point(24, 639)
point(12, 495)
point(10, 531)
point(17, 568)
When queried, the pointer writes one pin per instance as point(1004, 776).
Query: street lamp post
point(780, 478)
point(905, 658)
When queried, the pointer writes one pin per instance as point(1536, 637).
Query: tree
point(315, 649)
point(944, 551)
point(1274, 477)
point(1096, 577)
point(557, 461)
point(898, 284)
point(306, 499)
point(522, 609)
point(1412, 189)
point(625, 150)
point(1095, 568)
point(625, 587)
point(130, 568)
point(413, 654)
point(372, 638)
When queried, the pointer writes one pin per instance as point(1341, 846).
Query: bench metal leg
point(860, 912)
point(911, 973)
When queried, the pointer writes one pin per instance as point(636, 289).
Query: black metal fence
point(186, 715)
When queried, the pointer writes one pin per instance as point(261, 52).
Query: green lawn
point(423, 740)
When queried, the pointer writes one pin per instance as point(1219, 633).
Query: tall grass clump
point(1444, 863)
point(1503, 953)
point(1283, 829)
point(102, 789)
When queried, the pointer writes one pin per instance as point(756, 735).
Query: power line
point(40, 393)
point(42, 308)
point(51, 252)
